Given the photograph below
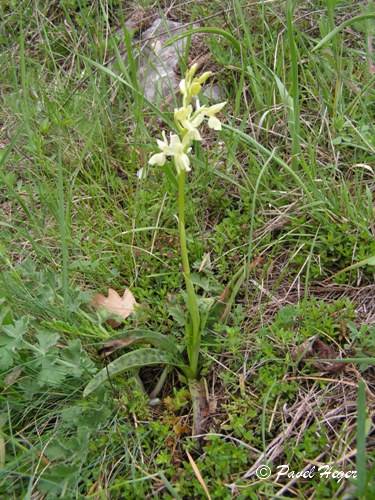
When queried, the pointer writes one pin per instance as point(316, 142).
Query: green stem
point(194, 334)
point(159, 385)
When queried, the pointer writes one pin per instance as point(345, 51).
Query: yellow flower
point(183, 113)
point(190, 122)
point(176, 149)
point(213, 121)
point(160, 158)
point(183, 87)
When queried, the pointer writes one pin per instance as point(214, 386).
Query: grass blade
point(294, 119)
point(64, 230)
point(112, 74)
point(254, 143)
point(361, 440)
point(370, 261)
point(340, 27)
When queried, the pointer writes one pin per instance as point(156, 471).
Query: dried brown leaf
point(325, 351)
point(316, 348)
point(113, 345)
point(115, 305)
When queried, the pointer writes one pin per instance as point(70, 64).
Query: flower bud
point(204, 77)
point(195, 88)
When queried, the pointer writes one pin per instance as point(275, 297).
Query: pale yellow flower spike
point(187, 121)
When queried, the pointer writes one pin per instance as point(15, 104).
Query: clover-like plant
point(165, 351)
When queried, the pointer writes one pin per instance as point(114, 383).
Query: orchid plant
point(177, 147)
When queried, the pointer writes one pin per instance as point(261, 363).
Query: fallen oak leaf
point(325, 351)
point(320, 354)
point(304, 350)
point(115, 306)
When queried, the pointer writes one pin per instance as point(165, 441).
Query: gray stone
point(213, 92)
point(158, 65)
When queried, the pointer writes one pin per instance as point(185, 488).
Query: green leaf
point(51, 373)
point(59, 478)
point(134, 359)
point(205, 306)
point(76, 359)
point(11, 342)
point(178, 313)
point(18, 329)
point(170, 174)
point(164, 342)
point(47, 340)
point(5, 314)
point(284, 94)
point(6, 359)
